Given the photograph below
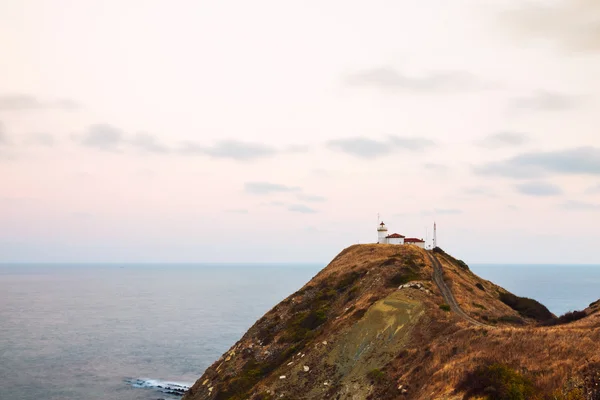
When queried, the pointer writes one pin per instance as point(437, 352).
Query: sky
point(270, 131)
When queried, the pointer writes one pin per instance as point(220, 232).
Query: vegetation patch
point(267, 330)
point(376, 375)
point(438, 250)
point(310, 314)
point(477, 305)
point(445, 307)
point(462, 264)
point(348, 280)
point(496, 382)
point(407, 259)
point(570, 316)
point(390, 262)
point(302, 326)
point(403, 276)
point(527, 307)
point(353, 293)
point(480, 286)
point(304, 290)
point(511, 319)
point(237, 387)
point(314, 297)
point(591, 378)
point(411, 260)
point(326, 294)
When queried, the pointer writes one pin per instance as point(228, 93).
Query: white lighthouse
point(396, 238)
point(382, 233)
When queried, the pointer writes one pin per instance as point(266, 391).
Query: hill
point(386, 322)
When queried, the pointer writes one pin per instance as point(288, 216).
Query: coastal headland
point(400, 322)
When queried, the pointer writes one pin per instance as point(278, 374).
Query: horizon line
point(515, 263)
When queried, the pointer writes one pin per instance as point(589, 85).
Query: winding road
point(438, 278)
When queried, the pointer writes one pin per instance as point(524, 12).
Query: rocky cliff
point(398, 322)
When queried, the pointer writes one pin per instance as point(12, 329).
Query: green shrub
point(462, 265)
point(376, 375)
point(302, 326)
point(477, 305)
point(404, 276)
point(319, 295)
point(438, 250)
point(391, 261)
point(528, 308)
point(236, 388)
point(348, 280)
point(353, 293)
point(496, 382)
point(445, 307)
point(267, 331)
point(326, 294)
point(567, 317)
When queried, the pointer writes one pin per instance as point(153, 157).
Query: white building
point(415, 242)
point(396, 238)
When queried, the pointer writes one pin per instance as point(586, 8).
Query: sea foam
point(166, 387)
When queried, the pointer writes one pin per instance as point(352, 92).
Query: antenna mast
point(434, 235)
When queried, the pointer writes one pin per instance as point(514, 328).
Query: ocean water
point(117, 332)
point(561, 288)
point(143, 332)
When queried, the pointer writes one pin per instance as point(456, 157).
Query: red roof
point(413, 240)
point(393, 236)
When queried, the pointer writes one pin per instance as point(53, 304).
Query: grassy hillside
point(373, 325)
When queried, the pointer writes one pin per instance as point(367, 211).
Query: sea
point(148, 331)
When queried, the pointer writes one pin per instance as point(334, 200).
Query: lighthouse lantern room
point(382, 233)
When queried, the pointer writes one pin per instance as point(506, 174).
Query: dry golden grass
point(550, 356)
point(350, 309)
point(365, 255)
point(441, 354)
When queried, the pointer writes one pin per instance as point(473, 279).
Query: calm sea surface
point(120, 331)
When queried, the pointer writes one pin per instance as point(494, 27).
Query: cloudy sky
point(268, 130)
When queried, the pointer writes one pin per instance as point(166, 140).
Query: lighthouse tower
point(382, 233)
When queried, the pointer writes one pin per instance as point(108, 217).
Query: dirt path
point(438, 278)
